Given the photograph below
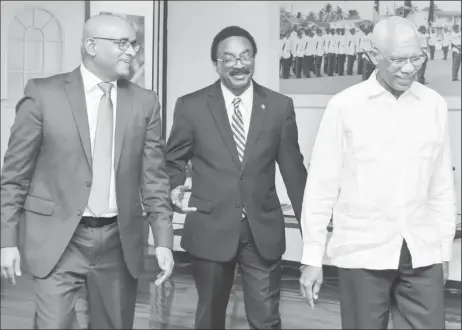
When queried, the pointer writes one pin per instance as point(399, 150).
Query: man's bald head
point(104, 46)
point(396, 54)
point(393, 33)
point(103, 25)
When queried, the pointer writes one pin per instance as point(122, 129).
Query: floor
point(173, 306)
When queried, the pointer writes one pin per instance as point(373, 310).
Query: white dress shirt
point(245, 105)
point(93, 95)
point(381, 167)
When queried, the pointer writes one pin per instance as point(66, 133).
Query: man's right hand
point(310, 283)
point(10, 263)
point(178, 198)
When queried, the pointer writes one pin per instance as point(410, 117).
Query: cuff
point(312, 255)
point(446, 251)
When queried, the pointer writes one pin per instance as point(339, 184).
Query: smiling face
point(236, 75)
point(107, 57)
point(399, 43)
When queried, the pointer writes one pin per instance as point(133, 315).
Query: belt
point(94, 222)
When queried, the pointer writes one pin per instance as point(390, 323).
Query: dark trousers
point(260, 280)
point(360, 63)
point(298, 66)
point(415, 297)
point(421, 73)
point(326, 63)
point(455, 65)
point(341, 64)
point(336, 63)
point(318, 61)
point(432, 52)
point(307, 65)
point(93, 263)
point(285, 68)
point(350, 63)
point(368, 68)
point(445, 52)
point(331, 64)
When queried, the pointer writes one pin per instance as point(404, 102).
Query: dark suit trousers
point(455, 65)
point(260, 280)
point(93, 263)
point(318, 60)
point(360, 63)
point(326, 63)
point(350, 63)
point(331, 58)
point(415, 297)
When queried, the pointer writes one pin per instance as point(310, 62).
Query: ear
point(215, 64)
point(90, 47)
point(374, 55)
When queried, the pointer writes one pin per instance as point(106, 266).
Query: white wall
point(71, 17)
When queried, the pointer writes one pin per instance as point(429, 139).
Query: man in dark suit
point(85, 153)
point(234, 131)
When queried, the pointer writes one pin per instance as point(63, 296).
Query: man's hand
point(10, 263)
point(178, 198)
point(310, 283)
point(165, 260)
point(445, 271)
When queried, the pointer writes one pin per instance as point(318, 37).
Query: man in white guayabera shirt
point(382, 163)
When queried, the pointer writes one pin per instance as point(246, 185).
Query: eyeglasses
point(416, 61)
point(124, 44)
point(232, 61)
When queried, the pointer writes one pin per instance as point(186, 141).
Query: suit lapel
point(123, 111)
point(256, 121)
point(76, 94)
point(217, 106)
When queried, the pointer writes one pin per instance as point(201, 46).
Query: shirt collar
point(375, 89)
point(90, 81)
point(245, 97)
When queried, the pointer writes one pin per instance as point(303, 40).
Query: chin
point(402, 87)
point(123, 73)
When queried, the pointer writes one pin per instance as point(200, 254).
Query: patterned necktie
point(237, 126)
point(98, 201)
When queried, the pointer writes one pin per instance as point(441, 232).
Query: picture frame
point(319, 98)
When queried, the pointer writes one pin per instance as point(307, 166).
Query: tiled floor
point(173, 306)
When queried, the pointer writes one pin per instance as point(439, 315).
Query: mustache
point(239, 72)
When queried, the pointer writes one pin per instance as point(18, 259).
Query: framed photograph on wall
point(321, 44)
point(147, 18)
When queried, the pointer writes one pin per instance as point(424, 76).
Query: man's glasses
point(230, 61)
point(124, 44)
point(416, 61)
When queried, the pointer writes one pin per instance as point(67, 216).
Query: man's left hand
point(165, 260)
point(445, 271)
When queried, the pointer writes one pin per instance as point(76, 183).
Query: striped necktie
point(237, 126)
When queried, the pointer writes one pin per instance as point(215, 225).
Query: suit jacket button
point(88, 183)
point(238, 205)
point(79, 213)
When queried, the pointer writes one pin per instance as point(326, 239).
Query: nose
point(409, 68)
point(239, 63)
point(130, 51)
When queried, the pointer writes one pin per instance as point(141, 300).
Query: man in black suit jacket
point(234, 214)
